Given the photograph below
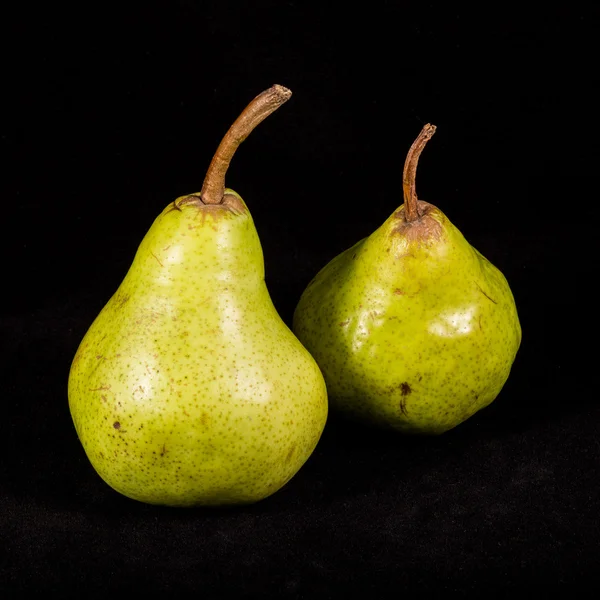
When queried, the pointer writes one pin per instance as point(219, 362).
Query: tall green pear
point(412, 327)
point(188, 389)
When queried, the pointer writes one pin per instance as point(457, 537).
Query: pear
point(413, 328)
point(188, 389)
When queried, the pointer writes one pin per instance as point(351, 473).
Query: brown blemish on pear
point(157, 259)
point(102, 387)
point(121, 300)
point(486, 295)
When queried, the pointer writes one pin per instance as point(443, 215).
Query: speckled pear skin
point(188, 389)
point(412, 327)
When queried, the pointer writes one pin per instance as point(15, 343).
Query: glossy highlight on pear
point(412, 327)
point(188, 389)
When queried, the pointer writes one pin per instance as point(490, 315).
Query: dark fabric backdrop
point(109, 114)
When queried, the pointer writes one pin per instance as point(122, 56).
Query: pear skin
point(412, 327)
point(188, 389)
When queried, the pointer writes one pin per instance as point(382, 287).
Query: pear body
point(412, 327)
point(188, 389)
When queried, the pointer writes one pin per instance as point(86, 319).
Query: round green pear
point(188, 389)
point(413, 328)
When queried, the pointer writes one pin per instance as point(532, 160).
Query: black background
point(110, 114)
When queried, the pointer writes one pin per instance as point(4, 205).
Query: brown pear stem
point(411, 205)
point(267, 102)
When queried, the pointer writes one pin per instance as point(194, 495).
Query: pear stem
point(411, 205)
point(267, 102)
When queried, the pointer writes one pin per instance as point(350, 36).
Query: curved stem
point(411, 206)
point(257, 111)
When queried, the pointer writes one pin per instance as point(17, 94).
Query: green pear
point(188, 389)
point(413, 328)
